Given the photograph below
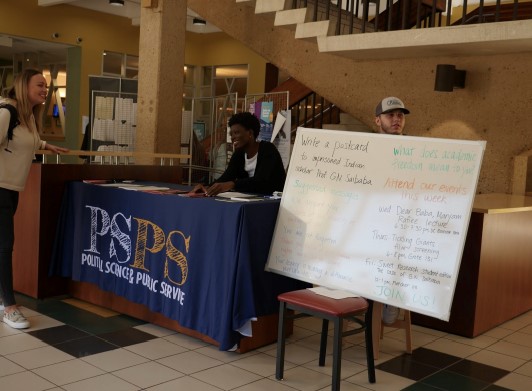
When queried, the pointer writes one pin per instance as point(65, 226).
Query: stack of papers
point(236, 196)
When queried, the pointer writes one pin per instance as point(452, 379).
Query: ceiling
point(52, 52)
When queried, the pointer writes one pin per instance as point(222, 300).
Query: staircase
point(406, 14)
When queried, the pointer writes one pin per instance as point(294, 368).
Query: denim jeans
point(8, 207)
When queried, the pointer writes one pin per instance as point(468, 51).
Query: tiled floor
point(70, 348)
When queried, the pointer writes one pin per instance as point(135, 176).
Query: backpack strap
point(13, 121)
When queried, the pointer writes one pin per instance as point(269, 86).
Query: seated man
point(255, 167)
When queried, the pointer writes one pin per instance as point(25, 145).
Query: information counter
point(195, 261)
point(494, 282)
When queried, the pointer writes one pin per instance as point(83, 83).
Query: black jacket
point(269, 172)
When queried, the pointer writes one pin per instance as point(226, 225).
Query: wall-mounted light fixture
point(198, 22)
point(448, 78)
point(118, 3)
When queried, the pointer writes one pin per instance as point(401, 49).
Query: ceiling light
point(118, 3)
point(198, 22)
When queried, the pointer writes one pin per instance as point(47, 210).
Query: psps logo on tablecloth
point(150, 239)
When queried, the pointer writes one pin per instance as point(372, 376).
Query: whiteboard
point(379, 215)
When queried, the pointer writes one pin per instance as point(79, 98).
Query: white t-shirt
point(250, 165)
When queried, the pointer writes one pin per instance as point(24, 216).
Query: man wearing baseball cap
point(390, 119)
point(390, 115)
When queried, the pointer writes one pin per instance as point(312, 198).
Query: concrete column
point(161, 62)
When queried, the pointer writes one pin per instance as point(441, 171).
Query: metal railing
point(313, 111)
point(361, 16)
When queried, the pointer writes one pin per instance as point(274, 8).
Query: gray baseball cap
point(389, 104)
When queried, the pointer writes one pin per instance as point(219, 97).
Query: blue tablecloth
point(199, 261)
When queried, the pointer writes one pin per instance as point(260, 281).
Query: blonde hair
point(19, 93)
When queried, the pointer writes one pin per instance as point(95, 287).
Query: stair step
point(290, 17)
point(313, 29)
point(265, 6)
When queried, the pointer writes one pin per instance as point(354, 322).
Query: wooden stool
point(308, 303)
point(378, 328)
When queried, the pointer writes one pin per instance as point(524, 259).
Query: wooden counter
point(494, 282)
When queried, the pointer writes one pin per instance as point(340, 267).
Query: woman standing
point(17, 150)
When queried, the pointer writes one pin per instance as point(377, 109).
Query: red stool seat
point(306, 298)
point(307, 303)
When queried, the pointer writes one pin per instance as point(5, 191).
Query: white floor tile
point(102, 382)
point(525, 369)
point(384, 381)
point(482, 341)
point(148, 374)
point(68, 372)
point(348, 368)
point(40, 357)
point(515, 382)
point(261, 364)
point(8, 367)
point(226, 377)
point(6, 330)
point(519, 338)
point(153, 329)
point(186, 341)
point(267, 385)
point(226, 357)
point(184, 383)
point(497, 360)
point(114, 360)
point(451, 347)
point(18, 343)
point(305, 379)
point(155, 349)
point(189, 362)
point(512, 349)
point(26, 381)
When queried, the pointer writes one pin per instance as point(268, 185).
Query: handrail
point(116, 155)
point(407, 14)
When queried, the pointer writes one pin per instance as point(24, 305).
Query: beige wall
point(220, 49)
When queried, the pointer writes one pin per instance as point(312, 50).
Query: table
point(199, 261)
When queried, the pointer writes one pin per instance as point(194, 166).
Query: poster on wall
point(281, 135)
point(274, 128)
point(382, 216)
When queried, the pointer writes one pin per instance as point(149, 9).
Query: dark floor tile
point(478, 371)
point(126, 337)
point(405, 366)
point(433, 358)
point(43, 306)
point(93, 323)
point(87, 346)
point(59, 334)
point(421, 387)
point(493, 387)
point(452, 381)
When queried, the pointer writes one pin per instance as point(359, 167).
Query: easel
point(378, 328)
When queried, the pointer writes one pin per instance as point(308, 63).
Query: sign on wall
point(379, 215)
